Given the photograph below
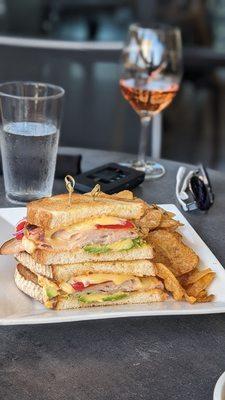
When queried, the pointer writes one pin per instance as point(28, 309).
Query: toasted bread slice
point(56, 211)
point(80, 255)
point(65, 272)
point(27, 260)
point(138, 297)
point(27, 282)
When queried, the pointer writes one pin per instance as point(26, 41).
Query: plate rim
point(219, 388)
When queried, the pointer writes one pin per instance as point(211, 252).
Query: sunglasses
point(194, 190)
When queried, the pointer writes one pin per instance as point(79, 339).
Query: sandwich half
point(89, 289)
point(102, 228)
point(85, 252)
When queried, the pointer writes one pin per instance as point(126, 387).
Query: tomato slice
point(124, 225)
point(20, 229)
point(78, 286)
point(21, 225)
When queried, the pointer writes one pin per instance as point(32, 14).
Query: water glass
point(30, 125)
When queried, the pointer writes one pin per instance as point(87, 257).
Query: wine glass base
point(152, 169)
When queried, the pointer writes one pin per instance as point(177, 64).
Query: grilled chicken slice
point(12, 246)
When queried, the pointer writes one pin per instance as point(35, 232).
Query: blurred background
point(77, 44)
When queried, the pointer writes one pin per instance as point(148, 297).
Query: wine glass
point(152, 70)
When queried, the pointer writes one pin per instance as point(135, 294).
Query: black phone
point(111, 177)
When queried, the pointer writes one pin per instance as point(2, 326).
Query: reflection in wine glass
point(152, 70)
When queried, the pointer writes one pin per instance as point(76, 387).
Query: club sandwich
point(86, 250)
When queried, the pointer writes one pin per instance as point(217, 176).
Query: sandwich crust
point(27, 282)
point(66, 271)
point(49, 257)
point(56, 212)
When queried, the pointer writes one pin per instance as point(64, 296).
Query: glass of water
point(30, 123)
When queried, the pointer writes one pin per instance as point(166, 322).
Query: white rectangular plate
point(16, 308)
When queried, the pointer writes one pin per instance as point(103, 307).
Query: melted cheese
point(45, 282)
point(151, 282)
point(89, 224)
point(144, 283)
point(66, 287)
point(97, 278)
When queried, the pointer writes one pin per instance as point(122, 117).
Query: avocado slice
point(96, 248)
point(100, 297)
point(138, 242)
point(90, 298)
point(51, 292)
point(116, 296)
point(125, 244)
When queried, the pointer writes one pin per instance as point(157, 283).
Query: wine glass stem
point(145, 121)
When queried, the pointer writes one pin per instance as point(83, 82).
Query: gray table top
point(147, 358)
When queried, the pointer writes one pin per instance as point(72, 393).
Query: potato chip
point(124, 194)
point(164, 212)
point(181, 258)
point(189, 299)
point(160, 257)
point(149, 221)
point(202, 294)
point(195, 293)
point(183, 278)
point(200, 284)
point(170, 281)
point(168, 223)
point(205, 299)
point(176, 263)
point(178, 236)
point(193, 276)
